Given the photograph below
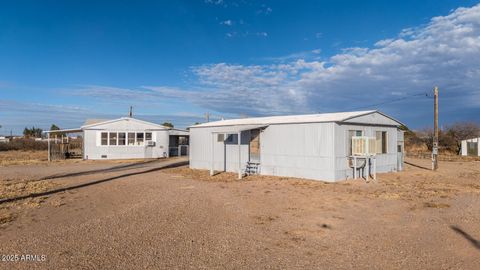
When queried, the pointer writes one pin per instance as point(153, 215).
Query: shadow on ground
point(111, 169)
point(417, 166)
point(50, 192)
point(473, 241)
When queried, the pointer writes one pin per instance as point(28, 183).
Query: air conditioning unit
point(150, 143)
point(363, 146)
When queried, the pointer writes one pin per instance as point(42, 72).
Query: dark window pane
point(104, 138)
point(121, 138)
point(139, 138)
point(113, 138)
point(131, 138)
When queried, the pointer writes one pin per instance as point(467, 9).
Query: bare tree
point(459, 131)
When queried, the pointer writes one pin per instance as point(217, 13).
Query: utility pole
point(435, 130)
point(130, 112)
point(207, 117)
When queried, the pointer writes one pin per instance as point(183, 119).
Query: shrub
point(24, 145)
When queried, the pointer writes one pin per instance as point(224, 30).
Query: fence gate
point(65, 149)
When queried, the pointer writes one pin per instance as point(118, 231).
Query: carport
point(61, 146)
point(234, 130)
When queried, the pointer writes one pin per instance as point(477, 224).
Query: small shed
point(315, 146)
point(470, 147)
point(122, 138)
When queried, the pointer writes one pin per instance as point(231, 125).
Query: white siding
point(385, 162)
point(305, 150)
point(94, 150)
point(464, 146)
point(201, 150)
point(374, 119)
point(298, 150)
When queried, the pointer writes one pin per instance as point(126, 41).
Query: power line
point(391, 101)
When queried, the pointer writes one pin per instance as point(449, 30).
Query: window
point(351, 134)
point(139, 138)
point(121, 138)
point(113, 138)
point(148, 136)
point(381, 142)
point(182, 140)
point(220, 137)
point(131, 138)
point(104, 138)
point(229, 138)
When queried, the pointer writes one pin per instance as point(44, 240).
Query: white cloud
point(231, 34)
point(227, 22)
point(246, 34)
point(18, 115)
point(444, 52)
point(215, 2)
point(305, 55)
point(265, 10)
point(262, 34)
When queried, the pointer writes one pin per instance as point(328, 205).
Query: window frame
point(134, 139)
point(101, 139)
point(128, 139)
point(137, 142)
point(230, 138)
point(110, 138)
point(383, 142)
point(145, 136)
point(119, 139)
point(349, 139)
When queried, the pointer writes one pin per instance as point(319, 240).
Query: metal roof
point(288, 119)
point(70, 130)
point(178, 132)
point(121, 119)
point(240, 128)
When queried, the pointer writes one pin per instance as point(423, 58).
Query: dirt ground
point(18, 157)
point(138, 215)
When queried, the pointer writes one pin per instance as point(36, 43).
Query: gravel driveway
point(144, 218)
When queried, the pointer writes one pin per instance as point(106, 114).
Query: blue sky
point(64, 61)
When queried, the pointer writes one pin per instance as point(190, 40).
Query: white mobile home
point(123, 138)
point(317, 146)
point(470, 147)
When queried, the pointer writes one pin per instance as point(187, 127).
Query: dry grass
point(6, 216)
point(8, 158)
point(436, 205)
point(17, 188)
point(204, 175)
point(444, 156)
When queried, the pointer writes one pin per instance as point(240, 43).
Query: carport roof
point(71, 130)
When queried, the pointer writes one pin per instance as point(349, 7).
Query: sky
point(62, 62)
